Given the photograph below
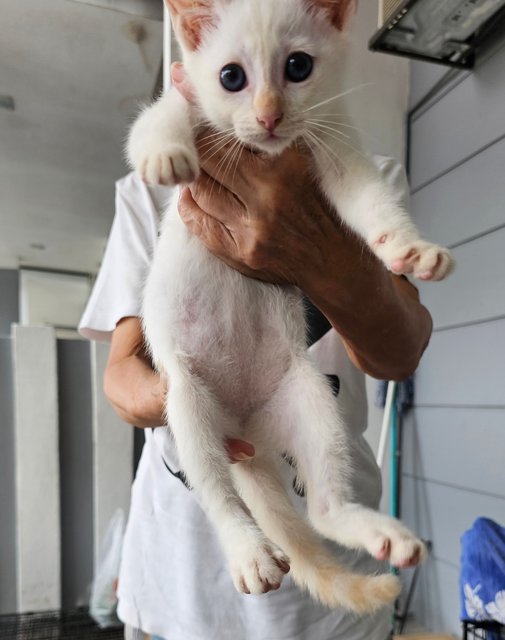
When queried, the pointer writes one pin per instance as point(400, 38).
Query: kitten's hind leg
point(199, 424)
point(313, 566)
point(385, 538)
point(319, 442)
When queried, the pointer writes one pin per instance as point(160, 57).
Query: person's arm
point(133, 388)
point(137, 393)
point(271, 223)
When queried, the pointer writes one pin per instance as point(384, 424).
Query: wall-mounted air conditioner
point(445, 31)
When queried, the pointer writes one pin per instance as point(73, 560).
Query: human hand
point(263, 216)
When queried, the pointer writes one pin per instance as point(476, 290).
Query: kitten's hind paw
point(175, 165)
point(399, 547)
point(422, 259)
point(260, 569)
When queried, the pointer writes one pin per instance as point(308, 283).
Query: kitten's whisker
point(325, 126)
point(331, 152)
point(341, 141)
point(333, 115)
point(220, 144)
point(217, 132)
point(212, 143)
point(222, 166)
point(338, 124)
point(339, 95)
point(324, 148)
point(234, 151)
point(237, 161)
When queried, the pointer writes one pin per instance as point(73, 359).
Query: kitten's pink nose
point(270, 121)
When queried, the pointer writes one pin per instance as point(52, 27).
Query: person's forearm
point(136, 392)
point(378, 315)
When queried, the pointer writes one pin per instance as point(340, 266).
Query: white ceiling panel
point(77, 74)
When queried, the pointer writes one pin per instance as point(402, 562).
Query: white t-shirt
point(174, 581)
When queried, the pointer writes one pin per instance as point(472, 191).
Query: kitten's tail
point(313, 567)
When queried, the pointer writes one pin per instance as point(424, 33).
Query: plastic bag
point(103, 604)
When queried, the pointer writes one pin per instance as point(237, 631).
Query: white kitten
point(234, 348)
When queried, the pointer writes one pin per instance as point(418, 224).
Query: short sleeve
point(117, 292)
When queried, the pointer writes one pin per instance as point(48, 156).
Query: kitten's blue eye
point(233, 77)
point(299, 66)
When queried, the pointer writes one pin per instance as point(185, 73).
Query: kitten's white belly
point(237, 334)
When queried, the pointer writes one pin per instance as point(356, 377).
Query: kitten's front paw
point(175, 165)
point(259, 569)
point(422, 259)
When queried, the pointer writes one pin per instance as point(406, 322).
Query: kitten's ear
point(190, 18)
point(340, 11)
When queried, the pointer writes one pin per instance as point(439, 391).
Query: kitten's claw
point(422, 259)
point(175, 165)
point(259, 570)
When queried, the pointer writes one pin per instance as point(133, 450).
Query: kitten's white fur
point(234, 348)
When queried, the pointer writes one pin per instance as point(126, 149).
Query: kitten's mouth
point(271, 142)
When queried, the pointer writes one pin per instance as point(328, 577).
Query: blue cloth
point(482, 573)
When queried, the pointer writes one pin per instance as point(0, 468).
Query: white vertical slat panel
point(461, 447)
point(38, 560)
point(424, 76)
point(8, 580)
point(442, 513)
point(464, 367)
point(464, 121)
point(466, 202)
point(112, 452)
point(436, 598)
point(475, 291)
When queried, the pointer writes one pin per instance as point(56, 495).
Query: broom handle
point(386, 420)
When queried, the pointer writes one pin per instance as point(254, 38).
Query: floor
point(74, 625)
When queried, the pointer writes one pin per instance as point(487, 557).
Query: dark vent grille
point(54, 625)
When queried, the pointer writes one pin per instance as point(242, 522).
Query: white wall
point(455, 439)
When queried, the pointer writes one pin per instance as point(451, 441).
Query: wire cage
point(55, 625)
point(487, 630)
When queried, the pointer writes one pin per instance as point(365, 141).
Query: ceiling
point(77, 71)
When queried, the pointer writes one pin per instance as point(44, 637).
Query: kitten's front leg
point(369, 205)
point(160, 145)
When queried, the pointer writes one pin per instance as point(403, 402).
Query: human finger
point(213, 233)
point(216, 199)
point(225, 158)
